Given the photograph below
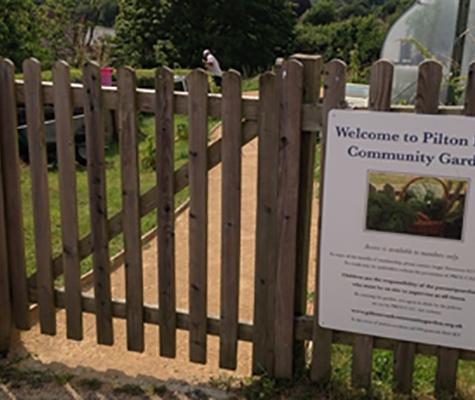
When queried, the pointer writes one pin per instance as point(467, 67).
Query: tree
point(244, 34)
point(18, 30)
point(142, 37)
point(322, 12)
point(68, 27)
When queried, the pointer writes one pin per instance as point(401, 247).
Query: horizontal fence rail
point(288, 119)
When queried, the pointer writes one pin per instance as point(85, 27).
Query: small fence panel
point(285, 119)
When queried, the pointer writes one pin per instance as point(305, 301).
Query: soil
point(115, 365)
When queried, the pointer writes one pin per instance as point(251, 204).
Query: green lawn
point(113, 182)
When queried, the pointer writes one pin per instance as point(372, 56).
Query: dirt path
point(59, 354)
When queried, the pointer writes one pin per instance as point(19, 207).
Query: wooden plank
point(6, 326)
point(128, 143)
point(379, 100)
point(231, 219)
point(312, 70)
point(96, 171)
point(165, 140)
point(39, 194)
point(334, 97)
point(12, 195)
point(198, 229)
point(427, 102)
point(266, 227)
point(65, 144)
point(289, 154)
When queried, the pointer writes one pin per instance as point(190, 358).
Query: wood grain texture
point(12, 195)
point(96, 171)
point(427, 102)
point(380, 89)
point(40, 194)
point(128, 143)
point(312, 71)
point(231, 218)
point(263, 351)
point(198, 220)
point(6, 326)
point(289, 162)
point(65, 145)
point(334, 97)
point(165, 140)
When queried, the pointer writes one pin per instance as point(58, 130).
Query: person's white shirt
point(212, 65)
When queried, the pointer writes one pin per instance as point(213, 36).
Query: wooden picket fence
point(285, 118)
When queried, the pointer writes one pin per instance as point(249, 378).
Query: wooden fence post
point(266, 226)
point(427, 102)
point(40, 194)
point(379, 100)
point(334, 97)
point(288, 186)
point(68, 198)
point(198, 239)
point(5, 301)
point(12, 193)
point(129, 160)
point(312, 69)
point(96, 169)
point(165, 142)
point(231, 218)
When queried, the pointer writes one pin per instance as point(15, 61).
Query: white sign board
point(397, 253)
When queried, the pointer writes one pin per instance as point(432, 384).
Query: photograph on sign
point(397, 241)
point(417, 205)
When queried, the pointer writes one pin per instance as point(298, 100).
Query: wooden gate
point(286, 119)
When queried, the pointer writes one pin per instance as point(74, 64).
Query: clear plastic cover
point(426, 30)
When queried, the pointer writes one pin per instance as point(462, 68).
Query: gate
point(285, 119)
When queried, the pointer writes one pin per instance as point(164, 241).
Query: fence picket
point(128, 142)
point(311, 87)
point(165, 141)
point(231, 219)
point(65, 139)
point(289, 154)
point(198, 236)
point(12, 195)
point(94, 121)
point(40, 195)
point(266, 226)
point(334, 97)
point(427, 102)
point(379, 100)
point(5, 301)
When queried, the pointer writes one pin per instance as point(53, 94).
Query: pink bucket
point(106, 76)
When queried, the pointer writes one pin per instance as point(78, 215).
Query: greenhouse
point(429, 30)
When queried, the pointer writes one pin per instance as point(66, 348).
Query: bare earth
point(115, 364)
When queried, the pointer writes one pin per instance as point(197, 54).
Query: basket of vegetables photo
point(429, 198)
point(416, 205)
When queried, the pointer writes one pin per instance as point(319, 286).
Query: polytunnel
point(428, 30)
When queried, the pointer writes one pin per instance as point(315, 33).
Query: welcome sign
point(397, 246)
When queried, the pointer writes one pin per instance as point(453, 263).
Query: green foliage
point(322, 12)
point(18, 30)
point(385, 213)
point(351, 30)
point(67, 28)
point(243, 34)
point(142, 36)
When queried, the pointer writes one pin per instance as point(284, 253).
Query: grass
point(339, 387)
point(113, 184)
